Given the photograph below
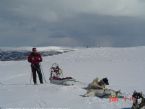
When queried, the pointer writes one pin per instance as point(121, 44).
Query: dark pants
point(36, 68)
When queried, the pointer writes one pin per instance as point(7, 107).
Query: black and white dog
point(136, 97)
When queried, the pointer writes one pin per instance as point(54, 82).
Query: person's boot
point(41, 82)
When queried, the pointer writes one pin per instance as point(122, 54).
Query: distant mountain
point(13, 54)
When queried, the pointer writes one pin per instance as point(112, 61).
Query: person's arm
point(29, 58)
point(40, 58)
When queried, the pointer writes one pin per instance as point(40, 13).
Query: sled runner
point(62, 81)
point(56, 76)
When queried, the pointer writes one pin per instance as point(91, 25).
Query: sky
point(117, 23)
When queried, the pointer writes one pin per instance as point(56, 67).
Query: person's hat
point(105, 80)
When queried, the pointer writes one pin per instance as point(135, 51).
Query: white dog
point(97, 88)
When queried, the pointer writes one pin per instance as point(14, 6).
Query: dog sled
point(56, 76)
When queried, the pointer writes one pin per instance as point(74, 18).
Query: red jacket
point(34, 58)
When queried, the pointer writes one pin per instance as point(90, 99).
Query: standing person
point(35, 58)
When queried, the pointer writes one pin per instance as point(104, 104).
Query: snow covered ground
point(124, 67)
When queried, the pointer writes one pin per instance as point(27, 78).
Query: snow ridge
point(13, 54)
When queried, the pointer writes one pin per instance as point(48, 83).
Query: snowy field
point(124, 67)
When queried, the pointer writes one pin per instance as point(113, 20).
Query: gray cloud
point(72, 23)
